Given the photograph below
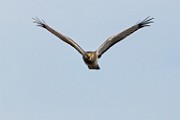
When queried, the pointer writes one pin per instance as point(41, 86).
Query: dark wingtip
point(146, 22)
point(39, 22)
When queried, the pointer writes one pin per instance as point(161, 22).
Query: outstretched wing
point(59, 35)
point(120, 36)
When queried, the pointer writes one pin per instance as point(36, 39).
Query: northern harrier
point(91, 57)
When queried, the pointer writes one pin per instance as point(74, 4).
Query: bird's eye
point(89, 55)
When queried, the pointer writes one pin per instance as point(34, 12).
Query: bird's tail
point(93, 66)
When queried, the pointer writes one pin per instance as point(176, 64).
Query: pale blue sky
point(42, 78)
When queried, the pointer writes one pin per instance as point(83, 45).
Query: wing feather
point(59, 35)
point(120, 36)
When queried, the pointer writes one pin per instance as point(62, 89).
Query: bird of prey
point(91, 57)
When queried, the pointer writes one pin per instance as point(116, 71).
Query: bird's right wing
point(59, 35)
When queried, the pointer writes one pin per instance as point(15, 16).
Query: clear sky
point(42, 78)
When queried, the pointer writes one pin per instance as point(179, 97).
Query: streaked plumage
point(91, 57)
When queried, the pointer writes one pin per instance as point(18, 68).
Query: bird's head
point(89, 57)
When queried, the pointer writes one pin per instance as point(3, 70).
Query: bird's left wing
point(120, 36)
point(59, 35)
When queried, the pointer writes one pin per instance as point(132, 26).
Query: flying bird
point(91, 57)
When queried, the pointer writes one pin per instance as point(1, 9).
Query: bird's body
point(91, 57)
point(92, 60)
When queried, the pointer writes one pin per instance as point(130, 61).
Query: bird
point(91, 57)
